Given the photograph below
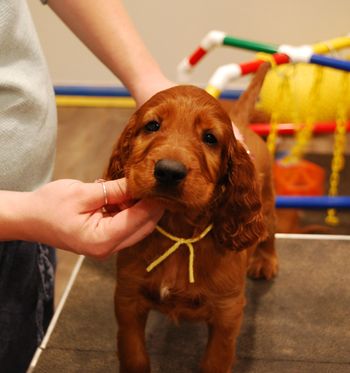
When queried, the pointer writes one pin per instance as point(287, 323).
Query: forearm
point(26, 216)
point(14, 215)
point(105, 28)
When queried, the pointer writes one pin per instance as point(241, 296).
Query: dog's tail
point(243, 109)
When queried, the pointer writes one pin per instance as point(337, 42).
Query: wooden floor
point(85, 140)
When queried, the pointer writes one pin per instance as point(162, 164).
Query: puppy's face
point(177, 148)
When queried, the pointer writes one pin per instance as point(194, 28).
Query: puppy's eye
point(152, 126)
point(209, 138)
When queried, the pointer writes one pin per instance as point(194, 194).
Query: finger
point(137, 236)
point(117, 191)
point(134, 223)
point(118, 194)
point(98, 194)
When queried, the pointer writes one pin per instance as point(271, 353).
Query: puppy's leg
point(133, 357)
point(263, 262)
point(220, 354)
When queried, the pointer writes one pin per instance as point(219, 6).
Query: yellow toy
point(289, 97)
point(302, 79)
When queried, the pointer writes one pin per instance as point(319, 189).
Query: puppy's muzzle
point(169, 172)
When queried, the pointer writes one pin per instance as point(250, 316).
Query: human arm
point(106, 29)
point(68, 214)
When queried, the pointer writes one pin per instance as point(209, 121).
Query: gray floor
point(299, 323)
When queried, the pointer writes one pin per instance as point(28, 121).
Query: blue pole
point(88, 91)
point(330, 62)
point(91, 91)
point(316, 203)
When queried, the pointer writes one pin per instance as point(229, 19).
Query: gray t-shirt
point(27, 104)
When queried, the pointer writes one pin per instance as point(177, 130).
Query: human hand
point(145, 89)
point(69, 214)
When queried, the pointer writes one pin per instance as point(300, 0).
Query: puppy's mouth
point(170, 196)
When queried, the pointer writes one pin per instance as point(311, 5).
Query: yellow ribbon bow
point(178, 242)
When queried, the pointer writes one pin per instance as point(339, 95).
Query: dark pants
point(26, 301)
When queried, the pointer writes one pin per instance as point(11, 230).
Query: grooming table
point(298, 323)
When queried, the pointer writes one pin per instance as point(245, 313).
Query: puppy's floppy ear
point(121, 152)
point(238, 221)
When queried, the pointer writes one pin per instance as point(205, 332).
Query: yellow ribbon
point(178, 242)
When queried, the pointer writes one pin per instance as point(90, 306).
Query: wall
point(172, 29)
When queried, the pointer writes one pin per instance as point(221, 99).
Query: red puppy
point(179, 147)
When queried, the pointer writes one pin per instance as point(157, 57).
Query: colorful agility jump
point(279, 55)
point(306, 53)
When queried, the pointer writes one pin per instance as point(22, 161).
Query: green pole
point(250, 45)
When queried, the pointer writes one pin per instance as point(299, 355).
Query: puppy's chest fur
point(167, 288)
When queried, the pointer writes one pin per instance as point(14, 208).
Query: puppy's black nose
point(169, 171)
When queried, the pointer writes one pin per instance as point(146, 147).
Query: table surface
point(298, 323)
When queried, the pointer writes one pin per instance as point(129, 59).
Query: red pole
point(263, 129)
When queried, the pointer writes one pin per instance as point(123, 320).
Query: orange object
point(303, 178)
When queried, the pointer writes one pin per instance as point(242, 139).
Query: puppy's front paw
point(263, 266)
